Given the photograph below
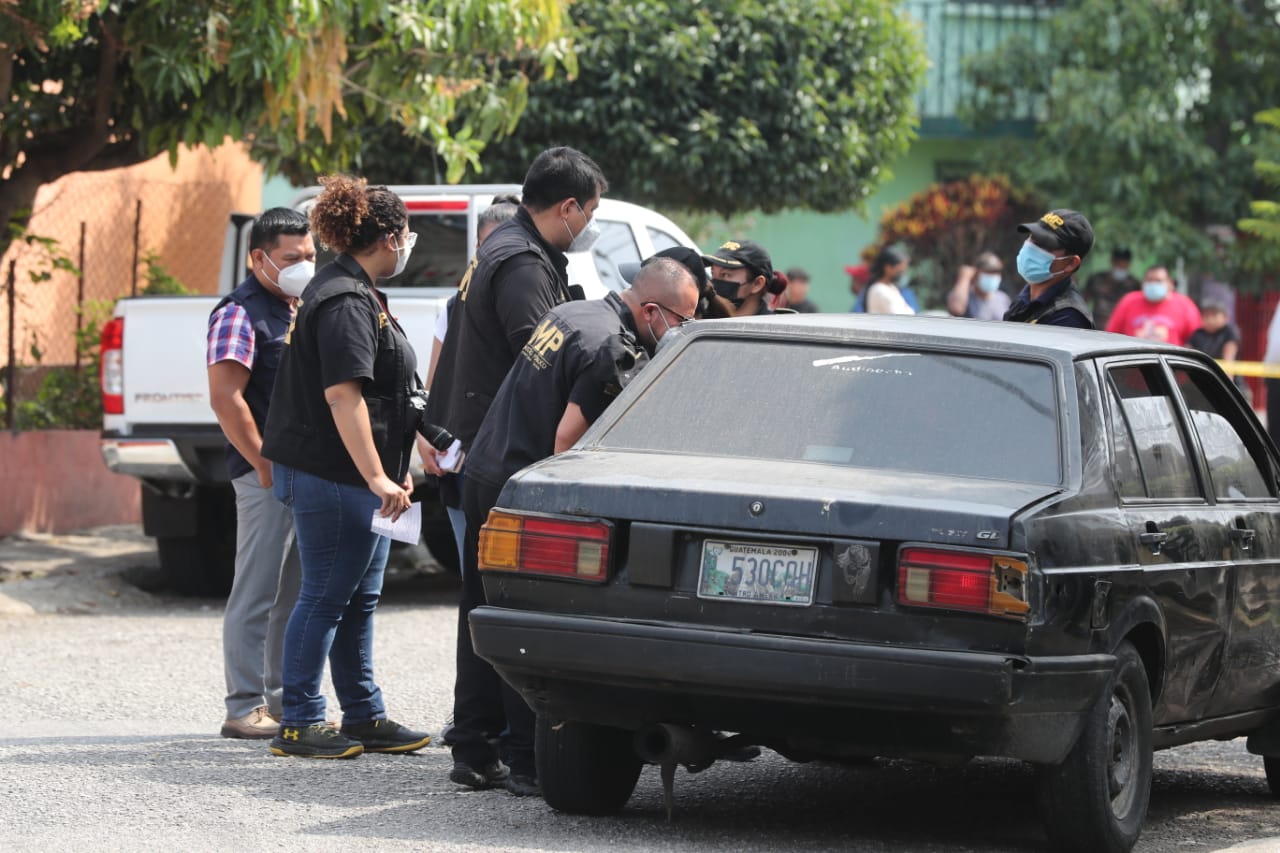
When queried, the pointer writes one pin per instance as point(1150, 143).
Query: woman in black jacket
point(339, 432)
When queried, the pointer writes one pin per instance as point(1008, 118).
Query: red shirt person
point(1157, 312)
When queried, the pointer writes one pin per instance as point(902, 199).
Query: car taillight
point(111, 367)
point(545, 545)
point(995, 584)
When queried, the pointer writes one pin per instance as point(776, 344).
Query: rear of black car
point(816, 544)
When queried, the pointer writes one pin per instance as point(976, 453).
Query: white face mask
point(586, 238)
point(293, 279)
point(403, 253)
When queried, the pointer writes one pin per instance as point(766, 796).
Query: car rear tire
point(1096, 800)
point(584, 768)
point(1272, 765)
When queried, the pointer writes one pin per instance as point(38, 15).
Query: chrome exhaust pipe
point(664, 743)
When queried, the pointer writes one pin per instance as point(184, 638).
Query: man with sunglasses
point(565, 375)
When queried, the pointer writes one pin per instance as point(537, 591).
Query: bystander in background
point(796, 296)
point(1157, 312)
point(976, 293)
point(1104, 289)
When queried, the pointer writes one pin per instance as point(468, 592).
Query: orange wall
point(184, 218)
point(54, 481)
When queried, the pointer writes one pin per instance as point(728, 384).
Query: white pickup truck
point(158, 425)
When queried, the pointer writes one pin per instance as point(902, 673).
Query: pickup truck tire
point(584, 768)
point(1096, 800)
point(203, 564)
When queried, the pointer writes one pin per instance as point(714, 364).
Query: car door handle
point(1153, 540)
point(1244, 536)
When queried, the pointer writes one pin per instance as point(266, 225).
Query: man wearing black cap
point(1057, 243)
point(1104, 289)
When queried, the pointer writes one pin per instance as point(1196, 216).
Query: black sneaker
point(314, 741)
point(386, 736)
point(492, 774)
point(521, 785)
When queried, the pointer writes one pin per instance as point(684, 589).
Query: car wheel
point(585, 768)
point(1272, 766)
point(1096, 799)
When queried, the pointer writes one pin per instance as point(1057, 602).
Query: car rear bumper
point(876, 698)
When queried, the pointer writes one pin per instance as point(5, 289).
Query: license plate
point(757, 572)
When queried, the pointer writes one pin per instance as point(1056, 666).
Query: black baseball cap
point(1062, 229)
point(739, 254)
point(691, 259)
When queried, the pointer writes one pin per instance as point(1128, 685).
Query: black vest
point(270, 317)
point(477, 355)
point(300, 430)
point(1033, 311)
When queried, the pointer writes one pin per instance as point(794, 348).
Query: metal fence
point(113, 227)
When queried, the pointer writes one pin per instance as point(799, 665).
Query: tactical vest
point(300, 429)
point(476, 349)
point(1033, 311)
point(270, 317)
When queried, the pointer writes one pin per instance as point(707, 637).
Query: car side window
point(616, 245)
point(661, 239)
point(1127, 473)
point(1151, 418)
point(1234, 467)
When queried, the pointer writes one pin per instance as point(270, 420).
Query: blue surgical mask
point(988, 282)
point(1119, 273)
point(1034, 263)
point(1155, 291)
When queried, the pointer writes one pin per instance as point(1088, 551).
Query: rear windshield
point(921, 412)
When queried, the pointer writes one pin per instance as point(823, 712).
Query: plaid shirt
point(231, 336)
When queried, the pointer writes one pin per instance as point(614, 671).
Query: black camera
point(437, 436)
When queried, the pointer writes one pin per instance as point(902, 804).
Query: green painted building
point(824, 244)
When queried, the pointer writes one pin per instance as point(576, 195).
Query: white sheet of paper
point(448, 461)
point(406, 528)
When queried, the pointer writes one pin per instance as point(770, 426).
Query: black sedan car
point(852, 536)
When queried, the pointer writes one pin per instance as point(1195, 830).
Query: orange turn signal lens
point(545, 545)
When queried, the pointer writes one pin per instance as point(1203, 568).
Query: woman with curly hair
point(338, 433)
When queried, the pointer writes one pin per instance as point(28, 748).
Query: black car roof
point(1053, 342)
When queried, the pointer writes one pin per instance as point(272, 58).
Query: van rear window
point(920, 412)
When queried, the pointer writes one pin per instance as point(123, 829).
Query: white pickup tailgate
point(165, 380)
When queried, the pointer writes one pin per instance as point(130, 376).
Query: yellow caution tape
point(1251, 368)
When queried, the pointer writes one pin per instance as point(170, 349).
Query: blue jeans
point(343, 563)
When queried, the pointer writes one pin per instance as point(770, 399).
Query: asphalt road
point(111, 698)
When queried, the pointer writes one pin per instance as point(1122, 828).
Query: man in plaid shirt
point(246, 335)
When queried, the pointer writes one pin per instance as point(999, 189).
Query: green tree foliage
point(97, 84)
point(719, 105)
point(1263, 253)
point(1143, 112)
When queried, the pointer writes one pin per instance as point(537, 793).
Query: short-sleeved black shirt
point(575, 355)
point(342, 332)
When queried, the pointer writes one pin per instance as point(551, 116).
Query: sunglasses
point(684, 318)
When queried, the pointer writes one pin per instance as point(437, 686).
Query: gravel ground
point(111, 697)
